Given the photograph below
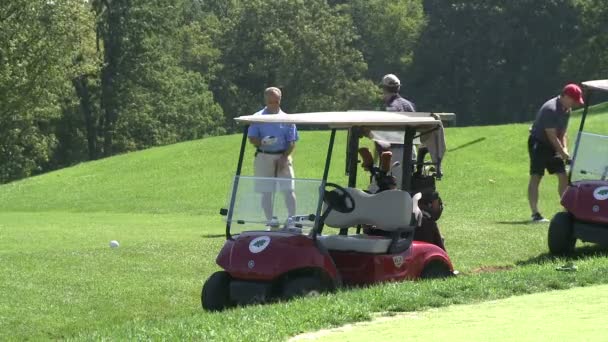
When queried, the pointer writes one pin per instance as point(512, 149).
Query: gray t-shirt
point(551, 115)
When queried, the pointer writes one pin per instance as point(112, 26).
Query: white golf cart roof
point(598, 84)
point(351, 119)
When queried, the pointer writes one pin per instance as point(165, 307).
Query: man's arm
point(556, 143)
point(254, 135)
point(289, 150)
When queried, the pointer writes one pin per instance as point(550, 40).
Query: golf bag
point(430, 203)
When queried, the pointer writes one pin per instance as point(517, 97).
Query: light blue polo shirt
point(284, 133)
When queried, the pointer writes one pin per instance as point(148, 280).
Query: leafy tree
point(389, 31)
point(37, 41)
point(304, 47)
point(588, 58)
point(492, 61)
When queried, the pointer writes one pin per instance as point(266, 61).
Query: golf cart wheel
point(216, 292)
point(303, 286)
point(561, 238)
point(435, 270)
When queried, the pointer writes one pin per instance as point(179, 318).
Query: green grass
point(59, 278)
point(558, 316)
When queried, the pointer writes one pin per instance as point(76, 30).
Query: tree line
point(82, 80)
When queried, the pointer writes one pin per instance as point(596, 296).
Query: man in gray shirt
point(548, 143)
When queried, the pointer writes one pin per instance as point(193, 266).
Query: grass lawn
point(59, 278)
point(569, 315)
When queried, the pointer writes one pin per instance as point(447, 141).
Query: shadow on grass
point(212, 236)
point(519, 222)
point(580, 253)
point(476, 141)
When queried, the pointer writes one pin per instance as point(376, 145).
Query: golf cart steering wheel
point(338, 199)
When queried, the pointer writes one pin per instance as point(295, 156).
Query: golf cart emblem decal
point(398, 261)
point(251, 264)
point(601, 193)
point(259, 244)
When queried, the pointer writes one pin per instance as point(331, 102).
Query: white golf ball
point(114, 244)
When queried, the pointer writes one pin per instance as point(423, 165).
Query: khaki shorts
point(265, 166)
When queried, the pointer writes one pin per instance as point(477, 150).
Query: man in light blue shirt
point(274, 142)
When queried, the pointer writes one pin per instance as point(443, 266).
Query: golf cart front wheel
point(216, 292)
point(561, 238)
point(304, 286)
point(435, 270)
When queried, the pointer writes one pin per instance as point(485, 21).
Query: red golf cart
point(586, 199)
point(321, 248)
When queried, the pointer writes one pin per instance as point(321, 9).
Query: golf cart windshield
point(591, 160)
point(248, 213)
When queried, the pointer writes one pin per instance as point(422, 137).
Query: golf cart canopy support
point(374, 120)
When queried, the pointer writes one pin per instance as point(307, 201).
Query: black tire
point(435, 270)
point(216, 292)
point(303, 286)
point(561, 238)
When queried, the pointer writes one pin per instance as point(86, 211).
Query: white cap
point(390, 80)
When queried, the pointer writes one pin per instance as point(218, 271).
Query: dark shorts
point(543, 156)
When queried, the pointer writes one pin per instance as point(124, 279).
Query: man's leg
point(267, 204)
point(562, 185)
point(290, 203)
point(533, 185)
point(287, 186)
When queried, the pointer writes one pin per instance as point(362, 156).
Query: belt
point(270, 152)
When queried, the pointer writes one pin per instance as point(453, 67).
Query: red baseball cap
point(575, 92)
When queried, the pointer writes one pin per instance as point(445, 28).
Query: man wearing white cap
point(394, 102)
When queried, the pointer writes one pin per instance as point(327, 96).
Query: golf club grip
point(367, 159)
point(385, 161)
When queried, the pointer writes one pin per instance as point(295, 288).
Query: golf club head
point(385, 161)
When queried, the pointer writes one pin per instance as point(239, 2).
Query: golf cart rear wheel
point(561, 238)
point(435, 270)
point(303, 286)
point(216, 292)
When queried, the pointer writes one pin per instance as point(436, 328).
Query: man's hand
point(564, 154)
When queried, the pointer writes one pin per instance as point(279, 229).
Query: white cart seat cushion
point(389, 210)
point(356, 243)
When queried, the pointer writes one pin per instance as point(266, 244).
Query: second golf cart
point(586, 198)
point(262, 263)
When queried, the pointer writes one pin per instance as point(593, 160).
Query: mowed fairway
point(60, 280)
point(570, 315)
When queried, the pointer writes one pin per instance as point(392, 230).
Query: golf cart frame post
point(235, 186)
point(588, 93)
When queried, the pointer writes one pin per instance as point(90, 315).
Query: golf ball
point(114, 244)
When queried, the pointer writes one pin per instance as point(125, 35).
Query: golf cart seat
point(391, 211)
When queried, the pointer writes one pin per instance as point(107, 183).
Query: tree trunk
point(81, 84)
